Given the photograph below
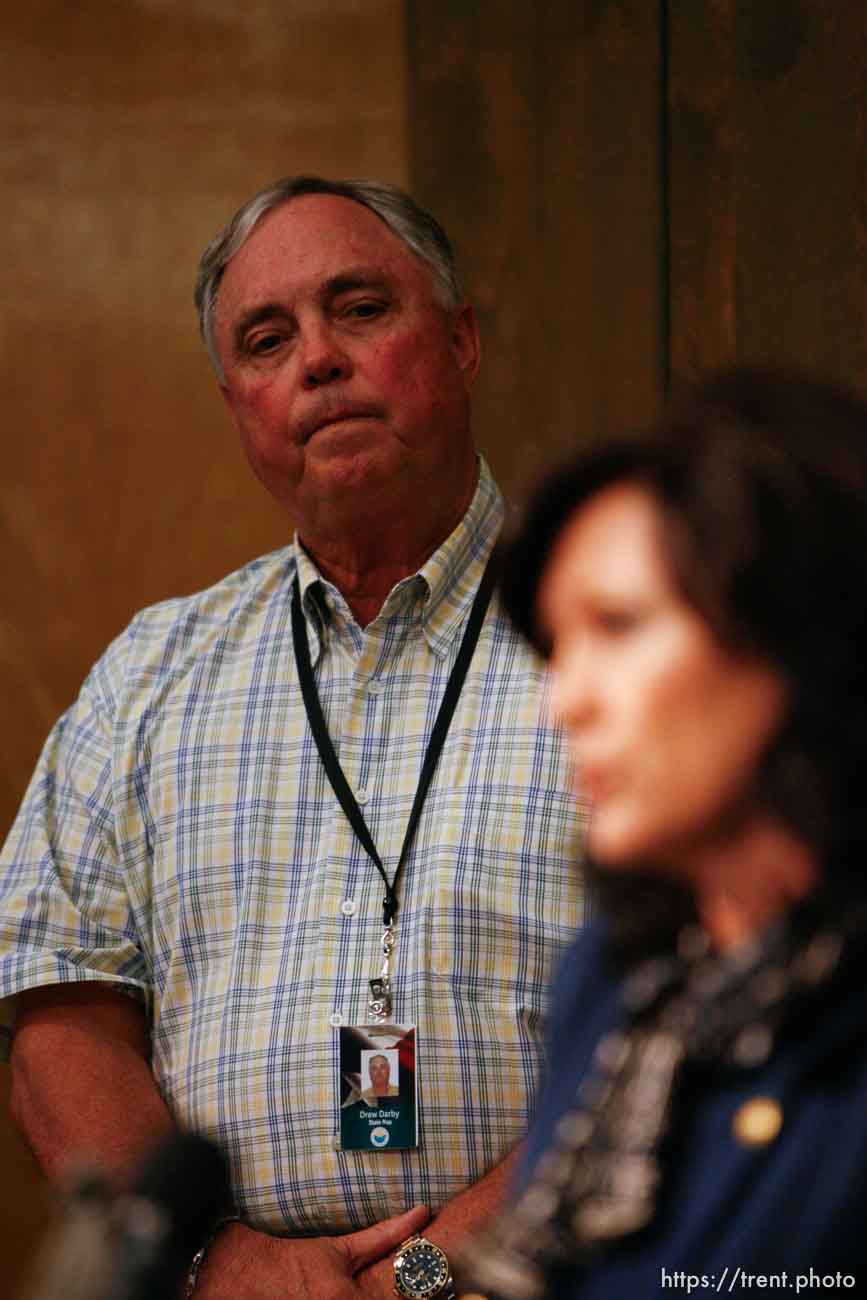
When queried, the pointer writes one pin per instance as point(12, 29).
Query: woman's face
point(665, 725)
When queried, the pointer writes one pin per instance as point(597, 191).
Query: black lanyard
point(330, 761)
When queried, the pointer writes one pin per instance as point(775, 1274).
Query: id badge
point(377, 1088)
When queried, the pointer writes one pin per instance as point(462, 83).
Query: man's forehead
point(315, 229)
point(321, 242)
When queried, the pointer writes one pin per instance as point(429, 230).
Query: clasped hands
point(244, 1264)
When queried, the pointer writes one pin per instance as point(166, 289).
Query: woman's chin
point(614, 852)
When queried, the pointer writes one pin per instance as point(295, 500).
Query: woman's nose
point(573, 690)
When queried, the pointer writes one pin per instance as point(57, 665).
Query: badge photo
point(377, 1087)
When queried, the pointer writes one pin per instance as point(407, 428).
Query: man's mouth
point(337, 415)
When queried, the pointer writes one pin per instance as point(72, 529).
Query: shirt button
point(349, 907)
point(362, 795)
point(375, 688)
point(335, 1020)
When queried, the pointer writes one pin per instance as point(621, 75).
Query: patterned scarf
point(598, 1180)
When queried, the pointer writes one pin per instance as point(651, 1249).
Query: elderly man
point(379, 1069)
point(258, 822)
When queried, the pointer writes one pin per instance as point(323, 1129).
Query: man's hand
point(247, 1265)
point(464, 1215)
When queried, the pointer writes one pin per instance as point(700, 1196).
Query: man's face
point(380, 1072)
point(342, 371)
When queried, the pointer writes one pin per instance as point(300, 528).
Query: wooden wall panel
point(474, 128)
point(534, 132)
point(128, 134)
point(767, 170)
point(700, 208)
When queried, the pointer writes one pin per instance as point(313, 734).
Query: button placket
point(362, 688)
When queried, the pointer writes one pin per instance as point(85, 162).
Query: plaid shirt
point(181, 839)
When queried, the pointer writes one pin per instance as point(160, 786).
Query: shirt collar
point(447, 581)
point(453, 572)
point(313, 599)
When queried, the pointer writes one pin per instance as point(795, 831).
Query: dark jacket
point(791, 1205)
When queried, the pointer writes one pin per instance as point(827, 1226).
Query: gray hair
point(403, 216)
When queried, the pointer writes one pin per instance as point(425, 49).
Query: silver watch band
point(447, 1290)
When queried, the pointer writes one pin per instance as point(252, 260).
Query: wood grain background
point(638, 189)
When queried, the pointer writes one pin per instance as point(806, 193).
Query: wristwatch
point(422, 1270)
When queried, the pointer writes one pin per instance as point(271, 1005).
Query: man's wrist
point(201, 1254)
point(422, 1270)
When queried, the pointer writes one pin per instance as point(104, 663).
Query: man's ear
point(466, 343)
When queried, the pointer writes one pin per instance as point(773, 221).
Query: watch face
point(422, 1270)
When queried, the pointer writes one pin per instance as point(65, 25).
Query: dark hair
point(760, 476)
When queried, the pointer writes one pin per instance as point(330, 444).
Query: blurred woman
point(701, 595)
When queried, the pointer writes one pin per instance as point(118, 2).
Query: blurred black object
point(139, 1245)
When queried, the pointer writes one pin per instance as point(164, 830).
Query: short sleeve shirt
point(180, 839)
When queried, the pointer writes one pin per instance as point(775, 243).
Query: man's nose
point(324, 361)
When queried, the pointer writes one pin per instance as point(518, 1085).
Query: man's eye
point(263, 343)
point(365, 310)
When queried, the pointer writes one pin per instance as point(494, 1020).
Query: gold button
point(757, 1122)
